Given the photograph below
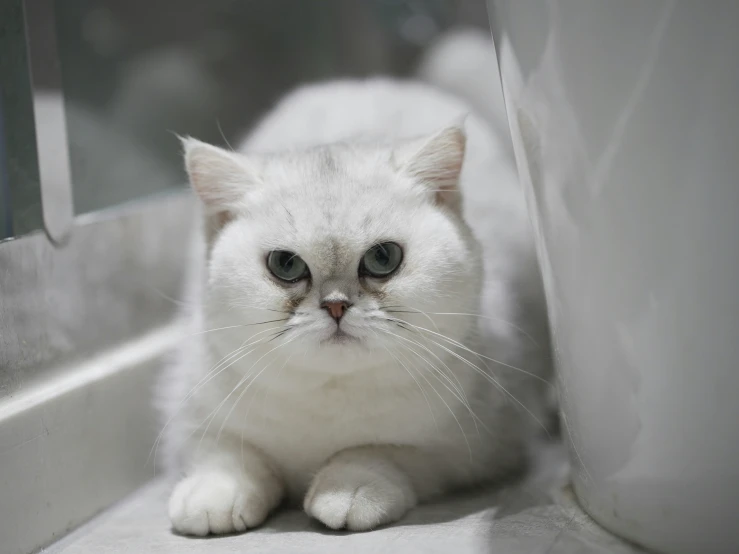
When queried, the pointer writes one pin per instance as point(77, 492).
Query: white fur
point(360, 431)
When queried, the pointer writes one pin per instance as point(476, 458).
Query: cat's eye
point(381, 260)
point(287, 266)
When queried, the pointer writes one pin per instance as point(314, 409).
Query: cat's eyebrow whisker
point(220, 130)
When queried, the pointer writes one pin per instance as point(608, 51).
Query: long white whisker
point(460, 388)
point(243, 392)
point(459, 424)
point(428, 403)
point(462, 399)
point(210, 375)
point(494, 381)
point(233, 327)
point(463, 347)
point(499, 320)
point(241, 382)
point(213, 413)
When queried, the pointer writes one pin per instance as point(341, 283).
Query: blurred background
point(134, 73)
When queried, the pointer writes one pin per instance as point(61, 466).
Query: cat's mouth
point(340, 337)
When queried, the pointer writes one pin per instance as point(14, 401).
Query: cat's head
point(344, 255)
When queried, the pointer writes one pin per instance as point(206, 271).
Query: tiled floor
point(537, 516)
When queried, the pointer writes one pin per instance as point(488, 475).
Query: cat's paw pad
point(215, 502)
point(356, 500)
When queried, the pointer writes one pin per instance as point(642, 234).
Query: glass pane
point(137, 72)
point(20, 199)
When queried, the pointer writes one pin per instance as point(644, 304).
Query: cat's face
point(341, 256)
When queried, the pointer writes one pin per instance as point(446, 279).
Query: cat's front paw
point(216, 502)
point(357, 497)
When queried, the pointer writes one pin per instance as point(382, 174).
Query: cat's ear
point(436, 162)
point(219, 177)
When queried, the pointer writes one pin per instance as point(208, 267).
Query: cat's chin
point(340, 338)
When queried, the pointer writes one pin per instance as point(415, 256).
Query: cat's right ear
point(220, 178)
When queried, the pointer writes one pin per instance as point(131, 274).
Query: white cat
point(339, 360)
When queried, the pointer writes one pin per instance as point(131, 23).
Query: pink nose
point(335, 309)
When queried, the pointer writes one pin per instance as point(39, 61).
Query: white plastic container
point(625, 124)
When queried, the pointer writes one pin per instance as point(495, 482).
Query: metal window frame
point(83, 331)
point(43, 58)
point(86, 320)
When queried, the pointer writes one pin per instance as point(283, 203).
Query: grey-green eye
point(381, 260)
point(287, 266)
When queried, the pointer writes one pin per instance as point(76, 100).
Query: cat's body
point(357, 426)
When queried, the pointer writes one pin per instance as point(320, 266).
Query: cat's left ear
point(436, 162)
point(219, 177)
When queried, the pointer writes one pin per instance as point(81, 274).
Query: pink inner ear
point(219, 177)
point(438, 165)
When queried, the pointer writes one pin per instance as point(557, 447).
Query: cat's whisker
point(243, 392)
point(184, 303)
point(241, 382)
point(455, 389)
point(488, 377)
point(238, 399)
point(475, 418)
point(459, 424)
point(209, 376)
point(246, 415)
point(496, 319)
point(408, 309)
point(424, 314)
point(462, 398)
point(492, 380)
point(423, 392)
point(480, 356)
point(459, 384)
point(235, 327)
point(458, 392)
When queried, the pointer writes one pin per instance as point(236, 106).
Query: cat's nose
point(335, 308)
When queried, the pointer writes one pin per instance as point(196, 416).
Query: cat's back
point(372, 109)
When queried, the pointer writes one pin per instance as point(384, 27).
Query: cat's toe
point(215, 503)
point(340, 500)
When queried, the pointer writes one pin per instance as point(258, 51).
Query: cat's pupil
point(287, 261)
point(381, 256)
